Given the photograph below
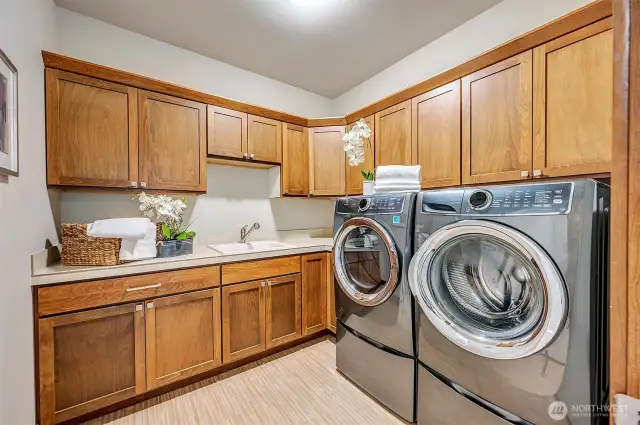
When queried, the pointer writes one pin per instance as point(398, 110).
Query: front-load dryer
point(374, 306)
point(511, 284)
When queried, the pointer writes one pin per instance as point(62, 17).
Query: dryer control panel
point(379, 204)
point(544, 198)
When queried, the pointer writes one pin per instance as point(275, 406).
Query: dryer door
point(367, 265)
point(489, 289)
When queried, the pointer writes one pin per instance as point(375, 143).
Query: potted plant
point(176, 239)
point(354, 147)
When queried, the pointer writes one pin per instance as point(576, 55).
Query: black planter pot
point(175, 248)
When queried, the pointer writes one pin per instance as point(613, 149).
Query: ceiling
point(323, 46)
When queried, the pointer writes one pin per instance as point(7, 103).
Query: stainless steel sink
point(257, 246)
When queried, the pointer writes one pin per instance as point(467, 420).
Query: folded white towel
point(398, 172)
point(408, 183)
point(140, 249)
point(125, 228)
point(397, 189)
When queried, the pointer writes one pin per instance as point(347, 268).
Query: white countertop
point(202, 256)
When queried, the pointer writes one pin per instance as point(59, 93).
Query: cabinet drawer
point(79, 296)
point(256, 270)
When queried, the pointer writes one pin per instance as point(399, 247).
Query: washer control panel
point(380, 204)
point(544, 198)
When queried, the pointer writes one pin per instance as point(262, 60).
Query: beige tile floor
point(298, 386)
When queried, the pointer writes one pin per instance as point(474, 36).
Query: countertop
point(202, 256)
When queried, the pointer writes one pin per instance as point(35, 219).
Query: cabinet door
point(393, 135)
point(90, 360)
point(295, 160)
point(265, 139)
point(314, 292)
point(436, 127)
point(227, 132)
point(573, 95)
point(331, 296)
point(497, 122)
point(326, 156)
point(283, 310)
point(354, 175)
point(92, 131)
point(243, 320)
point(172, 143)
point(183, 336)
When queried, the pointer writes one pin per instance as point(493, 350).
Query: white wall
point(503, 22)
point(95, 41)
point(26, 219)
point(235, 197)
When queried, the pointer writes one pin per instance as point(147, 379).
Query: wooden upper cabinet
point(265, 139)
point(327, 164)
point(172, 143)
point(90, 360)
point(497, 122)
point(354, 175)
point(436, 127)
point(183, 334)
point(243, 320)
point(573, 95)
point(92, 131)
point(393, 135)
point(227, 132)
point(283, 310)
point(314, 292)
point(295, 160)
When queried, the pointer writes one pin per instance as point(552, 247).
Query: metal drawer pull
point(524, 174)
point(263, 283)
point(140, 288)
point(251, 156)
point(269, 282)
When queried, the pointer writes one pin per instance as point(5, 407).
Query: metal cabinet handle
point(269, 282)
point(143, 184)
point(133, 184)
point(140, 288)
point(263, 284)
point(150, 305)
point(245, 155)
point(524, 173)
point(139, 307)
point(537, 173)
point(251, 156)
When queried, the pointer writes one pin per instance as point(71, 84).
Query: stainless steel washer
point(512, 286)
point(374, 306)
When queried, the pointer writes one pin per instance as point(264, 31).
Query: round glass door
point(366, 261)
point(489, 289)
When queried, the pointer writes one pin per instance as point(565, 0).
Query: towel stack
point(138, 236)
point(398, 178)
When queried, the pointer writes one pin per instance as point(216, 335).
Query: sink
point(257, 246)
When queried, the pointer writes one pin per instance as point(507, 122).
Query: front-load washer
point(375, 345)
point(512, 290)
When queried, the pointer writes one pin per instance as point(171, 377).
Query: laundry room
point(319, 212)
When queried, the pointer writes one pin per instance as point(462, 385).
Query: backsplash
point(236, 196)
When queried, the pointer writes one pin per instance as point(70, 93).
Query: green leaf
point(191, 235)
point(181, 236)
point(166, 232)
point(364, 174)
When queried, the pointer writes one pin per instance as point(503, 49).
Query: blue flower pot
point(175, 248)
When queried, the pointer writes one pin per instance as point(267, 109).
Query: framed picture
point(8, 116)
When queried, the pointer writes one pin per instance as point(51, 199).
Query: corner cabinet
point(497, 122)
point(106, 135)
point(354, 175)
point(173, 140)
point(89, 360)
point(327, 164)
point(435, 135)
point(573, 95)
point(295, 160)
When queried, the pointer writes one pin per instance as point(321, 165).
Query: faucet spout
point(244, 233)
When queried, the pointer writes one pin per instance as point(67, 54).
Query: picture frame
point(8, 116)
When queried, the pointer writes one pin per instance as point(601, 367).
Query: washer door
point(366, 261)
point(489, 289)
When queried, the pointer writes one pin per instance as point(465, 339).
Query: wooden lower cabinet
point(243, 320)
point(89, 360)
point(283, 308)
point(314, 292)
point(183, 335)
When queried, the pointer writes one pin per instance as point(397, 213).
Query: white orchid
point(167, 209)
point(354, 144)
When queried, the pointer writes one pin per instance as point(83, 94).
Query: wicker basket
point(78, 249)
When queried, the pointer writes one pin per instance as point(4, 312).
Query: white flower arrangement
point(169, 210)
point(354, 145)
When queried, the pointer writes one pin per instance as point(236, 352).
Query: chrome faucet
point(244, 233)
